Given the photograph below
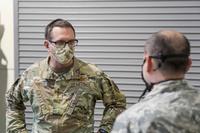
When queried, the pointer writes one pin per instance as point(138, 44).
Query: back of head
point(170, 50)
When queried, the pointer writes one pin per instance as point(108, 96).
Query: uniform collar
point(167, 86)
point(48, 73)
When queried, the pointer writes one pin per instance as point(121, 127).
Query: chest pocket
point(83, 99)
point(41, 98)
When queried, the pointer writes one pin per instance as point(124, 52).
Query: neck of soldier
point(159, 77)
point(60, 68)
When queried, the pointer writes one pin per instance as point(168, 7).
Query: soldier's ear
point(189, 64)
point(46, 44)
point(149, 64)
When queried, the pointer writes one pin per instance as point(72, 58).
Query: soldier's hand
point(102, 131)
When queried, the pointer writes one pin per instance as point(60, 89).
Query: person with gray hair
point(172, 104)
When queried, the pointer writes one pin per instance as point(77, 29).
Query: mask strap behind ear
point(163, 58)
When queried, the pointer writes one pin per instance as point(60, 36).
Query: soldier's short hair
point(57, 23)
point(170, 49)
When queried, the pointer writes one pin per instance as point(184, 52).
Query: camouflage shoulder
point(89, 68)
point(34, 69)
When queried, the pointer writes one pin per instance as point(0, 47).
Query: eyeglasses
point(61, 44)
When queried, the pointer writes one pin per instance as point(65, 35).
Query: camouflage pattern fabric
point(63, 103)
point(171, 107)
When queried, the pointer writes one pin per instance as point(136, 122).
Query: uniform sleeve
point(121, 124)
point(15, 116)
point(114, 102)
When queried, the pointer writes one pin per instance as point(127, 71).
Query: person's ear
point(149, 64)
point(46, 44)
point(189, 64)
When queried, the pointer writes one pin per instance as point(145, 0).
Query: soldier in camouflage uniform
point(62, 90)
point(172, 105)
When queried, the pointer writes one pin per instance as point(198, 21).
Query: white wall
point(6, 54)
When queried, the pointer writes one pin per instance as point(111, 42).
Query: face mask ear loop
point(148, 87)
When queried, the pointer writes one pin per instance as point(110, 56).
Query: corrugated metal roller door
point(111, 34)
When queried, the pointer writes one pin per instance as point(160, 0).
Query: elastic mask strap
point(148, 87)
point(165, 57)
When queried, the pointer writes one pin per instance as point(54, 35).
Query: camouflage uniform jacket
point(171, 107)
point(62, 103)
